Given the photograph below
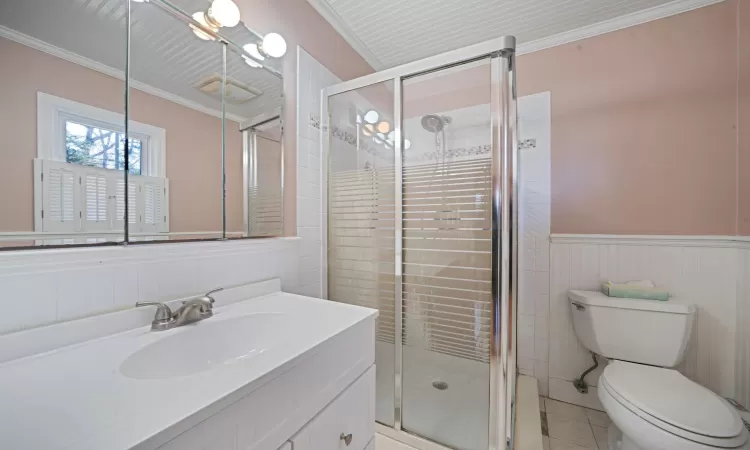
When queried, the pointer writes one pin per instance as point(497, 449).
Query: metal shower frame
point(501, 53)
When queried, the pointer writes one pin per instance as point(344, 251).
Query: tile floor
point(571, 427)
point(564, 427)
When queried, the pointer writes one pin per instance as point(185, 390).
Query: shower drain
point(440, 385)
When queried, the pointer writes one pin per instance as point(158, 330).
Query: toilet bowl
point(652, 406)
point(657, 408)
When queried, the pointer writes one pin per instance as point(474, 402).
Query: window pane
point(88, 145)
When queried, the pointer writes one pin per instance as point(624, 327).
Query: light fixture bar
point(178, 13)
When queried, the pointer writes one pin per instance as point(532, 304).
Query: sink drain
point(440, 385)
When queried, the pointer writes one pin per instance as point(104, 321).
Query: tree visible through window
point(92, 146)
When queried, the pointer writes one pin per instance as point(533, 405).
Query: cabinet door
point(347, 423)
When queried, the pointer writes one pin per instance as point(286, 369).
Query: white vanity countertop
point(76, 398)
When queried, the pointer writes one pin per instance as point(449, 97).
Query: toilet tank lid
point(596, 298)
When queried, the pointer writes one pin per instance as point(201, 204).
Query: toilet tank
point(640, 331)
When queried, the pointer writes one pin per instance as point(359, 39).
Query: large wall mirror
point(193, 151)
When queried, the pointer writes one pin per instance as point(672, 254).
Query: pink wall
point(743, 219)
point(644, 121)
point(301, 25)
point(193, 158)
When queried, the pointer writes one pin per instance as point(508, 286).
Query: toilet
point(651, 405)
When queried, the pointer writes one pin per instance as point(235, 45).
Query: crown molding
point(652, 240)
point(618, 23)
point(96, 66)
point(326, 11)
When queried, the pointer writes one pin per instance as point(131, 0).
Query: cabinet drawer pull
point(347, 438)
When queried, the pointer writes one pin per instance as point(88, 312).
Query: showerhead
point(433, 123)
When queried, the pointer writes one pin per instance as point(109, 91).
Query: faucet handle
point(208, 294)
point(163, 313)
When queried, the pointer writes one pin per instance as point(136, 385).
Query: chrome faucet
point(192, 310)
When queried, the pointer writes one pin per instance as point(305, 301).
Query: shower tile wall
point(534, 193)
point(312, 76)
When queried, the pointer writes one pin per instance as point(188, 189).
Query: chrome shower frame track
point(501, 52)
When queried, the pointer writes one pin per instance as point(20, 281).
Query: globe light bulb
point(273, 45)
point(407, 144)
point(371, 116)
point(384, 127)
point(225, 13)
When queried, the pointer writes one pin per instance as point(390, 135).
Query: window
point(77, 133)
point(90, 145)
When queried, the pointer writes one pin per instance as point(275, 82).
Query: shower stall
point(420, 217)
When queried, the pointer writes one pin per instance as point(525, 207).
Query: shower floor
point(456, 416)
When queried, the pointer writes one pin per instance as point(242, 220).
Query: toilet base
point(616, 440)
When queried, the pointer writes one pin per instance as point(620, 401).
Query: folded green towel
point(634, 291)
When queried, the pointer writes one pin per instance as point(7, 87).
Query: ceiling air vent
point(237, 93)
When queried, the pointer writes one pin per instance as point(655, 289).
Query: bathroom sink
point(207, 345)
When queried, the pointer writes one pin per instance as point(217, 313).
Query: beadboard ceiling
point(166, 57)
point(392, 32)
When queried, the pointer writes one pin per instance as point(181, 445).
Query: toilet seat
point(677, 407)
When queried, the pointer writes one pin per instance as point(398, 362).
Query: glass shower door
point(447, 254)
point(421, 214)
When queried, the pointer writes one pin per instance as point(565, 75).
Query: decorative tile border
point(478, 150)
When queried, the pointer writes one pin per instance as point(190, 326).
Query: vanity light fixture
point(221, 13)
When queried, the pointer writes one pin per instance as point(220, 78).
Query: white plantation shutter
point(96, 204)
point(119, 222)
point(152, 204)
point(70, 198)
point(60, 210)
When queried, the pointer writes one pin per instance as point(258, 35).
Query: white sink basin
point(206, 345)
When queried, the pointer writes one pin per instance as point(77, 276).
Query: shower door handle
point(347, 438)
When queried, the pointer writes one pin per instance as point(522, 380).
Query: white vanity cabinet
point(314, 405)
point(347, 423)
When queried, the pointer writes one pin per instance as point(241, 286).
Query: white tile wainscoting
point(312, 77)
point(45, 286)
point(535, 199)
point(709, 272)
